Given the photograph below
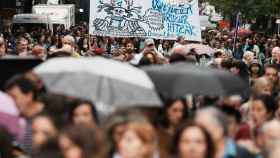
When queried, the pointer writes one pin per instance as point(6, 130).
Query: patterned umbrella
point(200, 49)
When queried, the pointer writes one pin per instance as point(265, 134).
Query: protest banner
point(146, 18)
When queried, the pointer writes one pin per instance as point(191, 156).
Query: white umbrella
point(100, 80)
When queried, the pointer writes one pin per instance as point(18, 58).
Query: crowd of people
point(53, 125)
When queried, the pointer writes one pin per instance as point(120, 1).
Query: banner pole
point(236, 31)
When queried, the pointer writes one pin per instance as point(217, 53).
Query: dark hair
point(268, 101)
point(177, 58)
point(163, 120)
point(144, 61)
point(54, 103)
point(226, 64)
point(260, 69)
point(89, 140)
point(21, 38)
point(59, 54)
point(5, 143)
point(77, 103)
point(25, 85)
point(50, 149)
point(217, 54)
point(211, 150)
point(243, 69)
point(229, 111)
point(153, 54)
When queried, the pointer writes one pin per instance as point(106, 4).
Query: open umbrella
point(201, 49)
point(242, 32)
point(180, 79)
point(103, 81)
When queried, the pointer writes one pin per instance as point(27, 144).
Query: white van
point(58, 14)
point(30, 22)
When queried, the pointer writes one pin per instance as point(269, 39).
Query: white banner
point(162, 19)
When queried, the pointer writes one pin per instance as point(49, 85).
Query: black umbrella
point(180, 79)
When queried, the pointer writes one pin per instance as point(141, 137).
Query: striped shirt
point(27, 138)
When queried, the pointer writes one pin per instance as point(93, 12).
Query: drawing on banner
point(176, 16)
point(122, 16)
point(145, 18)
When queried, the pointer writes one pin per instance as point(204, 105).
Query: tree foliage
point(248, 8)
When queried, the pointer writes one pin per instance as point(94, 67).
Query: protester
point(83, 113)
point(247, 125)
point(24, 92)
point(255, 70)
point(173, 114)
point(138, 140)
point(44, 128)
point(39, 52)
point(216, 124)
point(2, 47)
point(22, 47)
point(191, 141)
point(81, 142)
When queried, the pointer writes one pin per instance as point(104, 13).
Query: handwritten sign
point(145, 18)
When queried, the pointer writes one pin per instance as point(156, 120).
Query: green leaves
point(249, 8)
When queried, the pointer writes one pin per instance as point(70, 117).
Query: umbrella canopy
point(180, 79)
point(201, 49)
point(100, 80)
point(242, 32)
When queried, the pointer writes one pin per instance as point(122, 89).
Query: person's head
point(248, 57)
point(2, 47)
point(219, 54)
point(255, 68)
point(68, 40)
point(44, 127)
point(130, 46)
point(23, 91)
point(271, 73)
point(182, 40)
point(234, 120)
point(39, 52)
point(262, 86)
point(149, 45)
point(270, 131)
point(83, 112)
point(174, 112)
point(152, 56)
point(214, 121)
point(21, 45)
point(81, 142)
point(239, 68)
point(275, 53)
point(166, 44)
point(116, 123)
point(179, 50)
point(177, 58)
point(193, 141)
point(262, 109)
point(138, 140)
